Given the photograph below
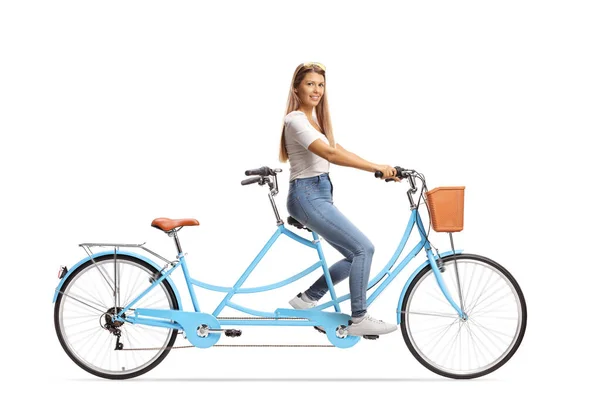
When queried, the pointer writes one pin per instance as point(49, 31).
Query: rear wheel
point(482, 342)
point(83, 317)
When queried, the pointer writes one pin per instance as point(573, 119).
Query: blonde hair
point(293, 104)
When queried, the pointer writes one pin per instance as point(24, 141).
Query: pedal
point(319, 329)
point(371, 337)
point(233, 332)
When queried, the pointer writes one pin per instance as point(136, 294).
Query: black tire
point(519, 306)
point(94, 307)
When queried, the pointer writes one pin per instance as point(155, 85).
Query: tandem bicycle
point(118, 312)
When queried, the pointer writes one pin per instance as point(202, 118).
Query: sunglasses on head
point(314, 64)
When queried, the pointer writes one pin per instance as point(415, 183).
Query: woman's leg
point(324, 218)
point(310, 202)
point(338, 271)
point(338, 231)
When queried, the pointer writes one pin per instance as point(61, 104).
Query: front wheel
point(489, 335)
point(89, 299)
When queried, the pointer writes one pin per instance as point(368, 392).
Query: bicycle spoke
point(483, 307)
point(153, 335)
point(441, 336)
point(469, 285)
point(83, 317)
point(97, 338)
point(433, 314)
point(477, 338)
point(492, 291)
point(108, 282)
point(75, 325)
point(154, 301)
point(494, 332)
point(136, 286)
point(469, 306)
point(516, 318)
point(438, 297)
point(451, 345)
point(107, 346)
point(436, 329)
point(85, 303)
point(475, 346)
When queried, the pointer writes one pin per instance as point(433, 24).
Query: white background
point(115, 113)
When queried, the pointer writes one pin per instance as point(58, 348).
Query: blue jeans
point(310, 201)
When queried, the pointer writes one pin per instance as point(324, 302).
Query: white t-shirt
point(299, 134)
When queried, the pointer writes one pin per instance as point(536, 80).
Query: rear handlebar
point(262, 176)
point(263, 171)
point(252, 180)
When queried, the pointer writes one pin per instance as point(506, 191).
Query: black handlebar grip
point(252, 180)
point(379, 174)
point(262, 171)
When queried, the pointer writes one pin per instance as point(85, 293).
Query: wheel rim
point(473, 346)
point(86, 305)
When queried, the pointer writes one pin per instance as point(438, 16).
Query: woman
point(309, 146)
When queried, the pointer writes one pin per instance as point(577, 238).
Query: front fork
point(440, 280)
point(436, 270)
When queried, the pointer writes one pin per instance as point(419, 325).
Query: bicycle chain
point(232, 345)
point(239, 345)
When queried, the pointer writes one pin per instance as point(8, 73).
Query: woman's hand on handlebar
point(389, 172)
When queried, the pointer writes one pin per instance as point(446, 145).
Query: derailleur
point(113, 326)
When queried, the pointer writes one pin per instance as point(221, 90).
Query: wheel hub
point(108, 318)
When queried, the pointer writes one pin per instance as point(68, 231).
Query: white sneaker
point(370, 326)
point(301, 302)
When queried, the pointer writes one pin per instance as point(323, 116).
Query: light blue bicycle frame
point(383, 278)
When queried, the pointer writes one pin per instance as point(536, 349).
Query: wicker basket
point(446, 205)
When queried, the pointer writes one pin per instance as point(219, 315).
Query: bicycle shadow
point(350, 379)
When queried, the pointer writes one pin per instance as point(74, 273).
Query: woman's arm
point(341, 156)
point(357, 160)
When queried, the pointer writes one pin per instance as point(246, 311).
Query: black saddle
point(294, 222)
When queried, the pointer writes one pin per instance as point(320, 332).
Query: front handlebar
point(402, 173)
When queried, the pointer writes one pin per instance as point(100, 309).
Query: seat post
point(174, 234)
